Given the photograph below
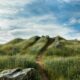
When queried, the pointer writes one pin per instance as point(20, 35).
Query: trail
point(41, 67)
point(39, 60)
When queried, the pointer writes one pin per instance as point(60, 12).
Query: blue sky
point(26, 18)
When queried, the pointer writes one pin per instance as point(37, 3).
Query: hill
point(36, 45)
point(54, 58)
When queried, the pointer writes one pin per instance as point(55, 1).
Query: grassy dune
point(60, 68)
point(61, 57)
point(19, 61)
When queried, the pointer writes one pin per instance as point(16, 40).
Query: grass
point(38, 46)
point(64, 51)
point(60, 68)
point(19, 61)
point(22, 61)
point(60, 57)
point(63, 48)
point(17, 46)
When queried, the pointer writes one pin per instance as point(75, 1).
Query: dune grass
point(19, 61)
point(59, 58)
point(63, 48)
point(39, 45)
point(60, 68)
point(15, 61)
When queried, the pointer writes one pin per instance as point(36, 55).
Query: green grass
point(60, 68)
point(19, 61)
point(38, 46)
point(15, 41)
point(64, 48)
point(17, 46)
point(59, 56)
point(22, 61)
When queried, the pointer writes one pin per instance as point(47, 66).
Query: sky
point(27, 18)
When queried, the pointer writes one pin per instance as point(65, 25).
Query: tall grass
point(22, 61)
point(63, 51)
point(62, 68)
point(19, 61)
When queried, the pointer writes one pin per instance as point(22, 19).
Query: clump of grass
point(63, 68)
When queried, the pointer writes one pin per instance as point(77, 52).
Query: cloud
point(25, 28)
point(5, 36)
point(6, 24)
point(14, 2)
point(74, 21)
point(26, 18)
point(69, 1)
point(10, 8)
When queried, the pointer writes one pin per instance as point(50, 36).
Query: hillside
point(54, 58)
point(36, 45)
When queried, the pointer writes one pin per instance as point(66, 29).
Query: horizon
point(27, 18)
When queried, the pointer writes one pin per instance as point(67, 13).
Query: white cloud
point(74, 21)
point(8, 11)
point(5, 36)
point(22, 27)
point(12, 7)
point(14, 2)
point(69, 1)
point(26, 28)
point(6, 24)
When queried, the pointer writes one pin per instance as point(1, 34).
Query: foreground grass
point(22, 61)
point(60, 68)
point(19, 61)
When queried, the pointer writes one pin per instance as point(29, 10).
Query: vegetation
point(60, 68)
point(60, 57)
point(19, 61)
point(63, 48)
